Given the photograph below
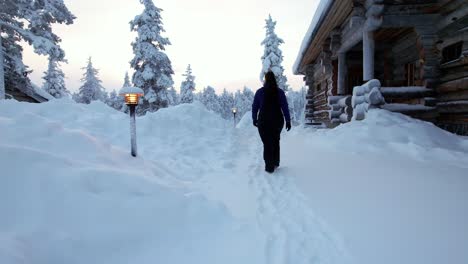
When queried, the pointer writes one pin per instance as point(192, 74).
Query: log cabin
point(31, 95)
point(417, 49)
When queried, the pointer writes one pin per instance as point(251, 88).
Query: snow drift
point(70, 192)
point(392, 186)
point(389, 189)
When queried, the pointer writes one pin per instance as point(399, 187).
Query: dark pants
point(270, 135)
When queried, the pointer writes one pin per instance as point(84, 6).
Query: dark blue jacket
point(258, 104)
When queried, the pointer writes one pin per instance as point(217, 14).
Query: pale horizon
point(220, 39)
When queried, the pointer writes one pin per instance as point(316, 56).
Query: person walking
point(269, 111)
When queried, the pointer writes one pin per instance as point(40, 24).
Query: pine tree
point(153, 70)
point(91, 90)
point(210, 99)
point(126, 81)
point(173, 97)
point(297, 102)
point(187, 87)
point(15, 72)
point(54, 82)
point(273, 56)
point(119, 102)
point(226, 101)
point(30, 21)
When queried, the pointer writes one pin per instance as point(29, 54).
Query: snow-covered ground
point(386, 190)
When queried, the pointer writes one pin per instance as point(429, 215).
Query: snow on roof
point(320, 13)
point(39, 91)
point(131, 90)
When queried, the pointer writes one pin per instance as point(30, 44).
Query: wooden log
point(345, 101)
point(431, 101)
point(349, 111)
point(454, 74)
point(359, 112)
point(322, 108)
point(454, 85)
point(453, 107)
point(336, 107)
point(454, 96)
point(344, 118)
point(333, 99)
point(375, 98)
point(335, 114)
point(357, 100)
point(406, 92)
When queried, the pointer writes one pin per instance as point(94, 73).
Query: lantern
point(234, 112)
point(132, 97)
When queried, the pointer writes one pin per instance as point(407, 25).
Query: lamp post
point(132, 96)
point(234, 112)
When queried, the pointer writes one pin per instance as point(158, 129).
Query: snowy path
point(293, 233)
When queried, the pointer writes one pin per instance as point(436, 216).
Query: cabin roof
point(320, 13)
point(329, 15)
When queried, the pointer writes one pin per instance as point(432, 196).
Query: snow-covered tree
point(173, 97)
point(226, 102)
point(153, 70)
point(54, 82)
point(91, 90)
point(272, 55)
point(127, 81)
point(209, 98)
point(243, 100)
point(15, 72)
point(297, 102)
point(30, 21)
point(187, 87)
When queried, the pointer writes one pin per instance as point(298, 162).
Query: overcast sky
point(219, 38)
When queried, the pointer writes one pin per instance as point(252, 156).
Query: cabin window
point(409, 74)
point(452, 52)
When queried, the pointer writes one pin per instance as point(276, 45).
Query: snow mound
point(382, 128)
point(71, 193)
point(387, 180)
point(246, 121)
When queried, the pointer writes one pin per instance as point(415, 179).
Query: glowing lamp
point(132, 96)
point(234, 112)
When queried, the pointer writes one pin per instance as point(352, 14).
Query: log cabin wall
point(24, 95)
point(405, 61)
point(320, 83)
point(420, 46)
point(452, 47)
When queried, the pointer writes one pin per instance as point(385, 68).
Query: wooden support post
point(2, 72)
point(368, 54)
point(133, 130)
point(342, 72)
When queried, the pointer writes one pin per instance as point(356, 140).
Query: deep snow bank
point(71, 193)
point(394, 187)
